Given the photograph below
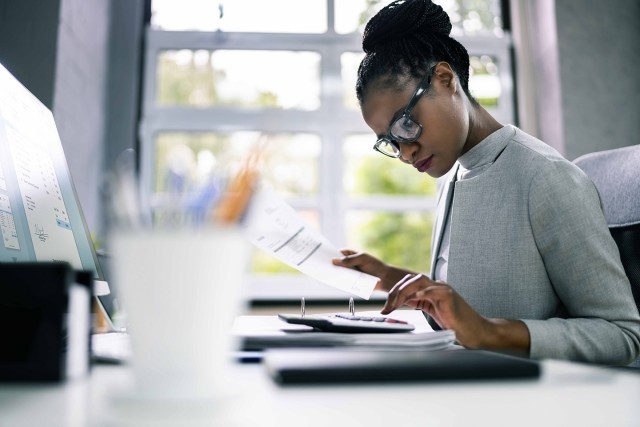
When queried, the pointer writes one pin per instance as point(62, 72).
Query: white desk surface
point(566, 395)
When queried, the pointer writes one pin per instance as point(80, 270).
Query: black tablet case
point(308, 366)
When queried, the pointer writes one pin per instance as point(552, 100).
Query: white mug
point(181, 291)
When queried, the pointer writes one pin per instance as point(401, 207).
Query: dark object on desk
point(375, 366)
point(45, 310)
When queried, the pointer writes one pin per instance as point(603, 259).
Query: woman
point(522, 257)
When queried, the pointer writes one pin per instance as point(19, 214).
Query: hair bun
point(404, 18)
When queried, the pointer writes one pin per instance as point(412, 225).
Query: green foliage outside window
point(401, 239)
point(397, 238)
point(381, 175)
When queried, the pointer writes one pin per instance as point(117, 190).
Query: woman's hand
point(388, 275)
point(451, 311)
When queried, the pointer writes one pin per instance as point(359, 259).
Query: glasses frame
point(393, 140)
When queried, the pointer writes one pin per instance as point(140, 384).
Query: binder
point(258, 333)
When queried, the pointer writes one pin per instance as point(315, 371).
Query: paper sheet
point(275, 227)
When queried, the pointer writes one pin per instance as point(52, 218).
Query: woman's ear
point(445, 77)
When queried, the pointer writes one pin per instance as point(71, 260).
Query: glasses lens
point(387, 147)
point(405, 129)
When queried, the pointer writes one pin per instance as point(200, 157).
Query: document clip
point(352, 307)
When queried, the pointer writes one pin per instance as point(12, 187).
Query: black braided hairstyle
point(405, 39)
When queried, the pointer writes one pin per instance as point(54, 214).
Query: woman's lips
point(423, 165)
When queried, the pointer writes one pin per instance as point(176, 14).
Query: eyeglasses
point(404, 129)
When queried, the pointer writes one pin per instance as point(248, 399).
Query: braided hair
point(406, 38)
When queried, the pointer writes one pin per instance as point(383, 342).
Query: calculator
point(349, 323)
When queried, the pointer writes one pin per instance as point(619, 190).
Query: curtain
point(539, 92)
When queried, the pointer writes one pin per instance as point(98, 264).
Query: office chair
point(616, 174)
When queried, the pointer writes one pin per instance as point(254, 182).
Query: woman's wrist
point(508, 335)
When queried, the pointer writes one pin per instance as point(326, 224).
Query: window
point(222, 75)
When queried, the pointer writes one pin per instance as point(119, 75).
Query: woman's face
point(443, 114)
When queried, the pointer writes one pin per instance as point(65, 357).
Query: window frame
point(331, 203)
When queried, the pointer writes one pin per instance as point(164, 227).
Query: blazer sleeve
point(584, 267)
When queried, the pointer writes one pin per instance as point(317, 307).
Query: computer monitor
point(40, 216)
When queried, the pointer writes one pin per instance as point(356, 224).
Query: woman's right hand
point(388, 275)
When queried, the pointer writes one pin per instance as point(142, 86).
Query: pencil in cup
point(234, 201)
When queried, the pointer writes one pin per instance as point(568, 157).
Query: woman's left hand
point(451, 311)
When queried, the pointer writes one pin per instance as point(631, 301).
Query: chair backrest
point(616, 174)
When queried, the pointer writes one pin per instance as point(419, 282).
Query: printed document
point(275, 227)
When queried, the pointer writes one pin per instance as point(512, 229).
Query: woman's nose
point(408, 151)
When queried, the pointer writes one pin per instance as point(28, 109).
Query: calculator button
point(395, 321)
point(350, 317)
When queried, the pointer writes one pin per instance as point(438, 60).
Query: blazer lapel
point(444, 205)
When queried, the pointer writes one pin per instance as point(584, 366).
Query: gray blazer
point(529, 241)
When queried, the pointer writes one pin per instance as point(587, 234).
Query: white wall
point(80, 100)
point(599, 52)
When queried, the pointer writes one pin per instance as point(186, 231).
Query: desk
point(566, 395)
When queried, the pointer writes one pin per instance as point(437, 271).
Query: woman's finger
point(350, 258)
point(390, 304)
point(404, 291)
point(414, 291)
point(401, 282)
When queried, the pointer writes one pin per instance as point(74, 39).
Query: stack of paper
point(264, 332)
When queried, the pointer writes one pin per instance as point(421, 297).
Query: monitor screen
point(40, 217)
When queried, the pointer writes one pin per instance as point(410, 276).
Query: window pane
point(484, 81)
point(185, 162)
point(369, 172)
point(191, 168)
point(235, 78)
point(474, 16)
point(349, 65)
point(467, 16)
point(291, 164)
point(401, 239)
point(273, 16)
point(352, 15)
